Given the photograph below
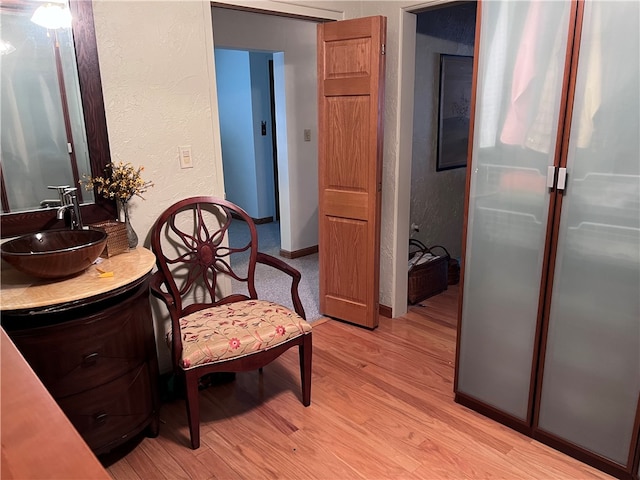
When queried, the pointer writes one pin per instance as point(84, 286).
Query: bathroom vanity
point(90, 340)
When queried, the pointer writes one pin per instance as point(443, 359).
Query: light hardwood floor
point(382, 408)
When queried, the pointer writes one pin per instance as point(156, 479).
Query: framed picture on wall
point(454, 111)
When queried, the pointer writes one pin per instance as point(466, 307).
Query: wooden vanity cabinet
point(97, 358)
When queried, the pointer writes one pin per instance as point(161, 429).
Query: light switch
point(185, 156)
point(307, 135)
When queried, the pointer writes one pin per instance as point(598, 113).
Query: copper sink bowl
point(54, 253)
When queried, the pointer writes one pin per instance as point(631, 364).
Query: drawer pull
point(100, 418)
point(90, 359)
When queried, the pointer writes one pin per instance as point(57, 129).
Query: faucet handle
point(72, 200)
point(69, 195)
point(61, 190)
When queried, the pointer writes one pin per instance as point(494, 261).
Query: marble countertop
point(19, 291)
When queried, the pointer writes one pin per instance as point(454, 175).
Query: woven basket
point(430, 278)
point(117, 241)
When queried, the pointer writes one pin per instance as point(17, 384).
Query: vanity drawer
point(111, 412)
point(84, 353)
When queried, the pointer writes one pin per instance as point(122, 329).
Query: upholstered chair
point(213, 330)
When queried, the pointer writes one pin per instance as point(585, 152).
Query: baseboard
point(319, 321)
point(257, 221)
point(382, 310)
point(385, 311)
point(299, 253)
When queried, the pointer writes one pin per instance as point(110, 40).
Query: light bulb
point(52, 16)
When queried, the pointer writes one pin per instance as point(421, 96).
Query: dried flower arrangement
point(120, 182)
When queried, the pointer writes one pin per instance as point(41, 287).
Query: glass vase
point(132, 237)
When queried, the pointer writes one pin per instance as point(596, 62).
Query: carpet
point(271, 284)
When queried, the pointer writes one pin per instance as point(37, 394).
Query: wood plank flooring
point(382, 408)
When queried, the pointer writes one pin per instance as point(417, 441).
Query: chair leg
point(193, 410)
point(305, 350)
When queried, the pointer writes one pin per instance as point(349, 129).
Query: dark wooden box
point(428, 279)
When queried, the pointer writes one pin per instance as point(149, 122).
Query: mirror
point(53, 125)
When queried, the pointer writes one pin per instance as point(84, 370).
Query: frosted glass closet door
point(591, 373)
point(521, 63)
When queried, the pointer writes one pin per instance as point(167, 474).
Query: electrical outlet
point(307, 135)
point(185, 156)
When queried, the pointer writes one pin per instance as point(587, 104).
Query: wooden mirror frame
point(19, 223)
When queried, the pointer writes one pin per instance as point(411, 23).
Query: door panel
point(350, 96)
point(591, 377)
point(347, 139)
point(520, 65)
point(344, 296)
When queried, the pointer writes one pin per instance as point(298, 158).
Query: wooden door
point(350, 101)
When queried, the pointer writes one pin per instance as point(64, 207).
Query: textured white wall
point(156, 64)
point(156, 79)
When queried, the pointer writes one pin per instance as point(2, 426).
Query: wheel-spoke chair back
point(199, 260)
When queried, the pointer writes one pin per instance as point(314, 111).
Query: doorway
point(295, 94)
point(301, 158)
point(437, 195)
point(281, 161)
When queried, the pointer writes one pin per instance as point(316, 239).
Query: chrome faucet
point(70, 202)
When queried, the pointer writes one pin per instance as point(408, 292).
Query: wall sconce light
point(52, 16)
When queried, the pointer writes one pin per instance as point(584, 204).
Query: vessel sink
point(54, 253)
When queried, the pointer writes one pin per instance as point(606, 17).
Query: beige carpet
point(271, 284)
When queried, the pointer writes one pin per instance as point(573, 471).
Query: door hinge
point(69, 147)
point(383, 49)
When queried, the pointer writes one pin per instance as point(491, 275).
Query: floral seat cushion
point(237, 329)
